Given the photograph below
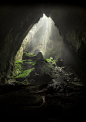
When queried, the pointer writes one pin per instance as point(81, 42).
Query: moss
point(13, 77)
point(25, 73)
point(28, 54)
point(17, 81)
point(47, 60)
point(25, 82)
point(18, 69)
point(34, 63)
point(29, 60)
point(56, 60)
point(17, 62)
point(51, 60)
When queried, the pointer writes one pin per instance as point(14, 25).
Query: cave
point(43, 62)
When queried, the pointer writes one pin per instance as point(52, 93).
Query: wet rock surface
point(60, 100)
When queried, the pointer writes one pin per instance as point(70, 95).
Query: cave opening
point(42, 87)
point(43, 37)
point(41, 49)
point(41, 52)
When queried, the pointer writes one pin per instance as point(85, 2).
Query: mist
point(44, 37)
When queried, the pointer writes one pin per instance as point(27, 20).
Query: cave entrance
point(43, 37)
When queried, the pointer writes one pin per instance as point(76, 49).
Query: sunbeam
point(44, 37)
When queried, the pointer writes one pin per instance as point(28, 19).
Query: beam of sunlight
point(41, 36)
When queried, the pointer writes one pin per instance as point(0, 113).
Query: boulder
point(59, 62)
point(39, 55)
point(27, 56)
point(37, 71)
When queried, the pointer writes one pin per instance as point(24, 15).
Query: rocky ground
point(60, 100)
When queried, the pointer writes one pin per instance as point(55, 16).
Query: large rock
point(59, 62)
point(27, 56)
point(42, 73)
point(39, 55)
point(38, 79)
point(33, 69)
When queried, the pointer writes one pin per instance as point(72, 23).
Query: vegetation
point(25, 67)
point(17, 62)
point(50, 60)
point(20, 69)
point(25, 73)
point(28, 54)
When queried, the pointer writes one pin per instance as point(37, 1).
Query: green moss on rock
point(25, 73)
point(36, 68)
point(50, 60)
point(28, 54)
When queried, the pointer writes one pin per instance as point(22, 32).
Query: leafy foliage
point(20, 70)
point(25, 73)
point(24, 69)
point(28, 54)
point(51, 60)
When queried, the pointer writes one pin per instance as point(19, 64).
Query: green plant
point(18, 68)
point(28, 54)
point(25, 82)
point(25, 73)
point(50, 59)
point(17, 62)
point(47, 60)
point(56, 60)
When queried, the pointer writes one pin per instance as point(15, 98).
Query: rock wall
point(16, 21)
point(71, 23)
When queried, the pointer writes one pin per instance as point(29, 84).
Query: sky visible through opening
point(41, 36)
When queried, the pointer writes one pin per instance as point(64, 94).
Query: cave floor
point(61, 101)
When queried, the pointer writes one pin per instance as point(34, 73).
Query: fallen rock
point(59, 63)
point(56, 85)
point(39, 55)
